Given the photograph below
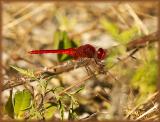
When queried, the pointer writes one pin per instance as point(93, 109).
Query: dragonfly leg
point(75, 66)
point(90, 72)
point(100, 66)
point(95, 59)
point(77, 63)
point(80, 61)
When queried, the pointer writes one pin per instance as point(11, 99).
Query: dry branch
point(51, 71)
point(142, 41)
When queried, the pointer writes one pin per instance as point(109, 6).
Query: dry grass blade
point(120, 16)
point(23, 9)
point(26, 16)
point(76, 84)
point(147, 100)
point(137, 19)
point(155, 107)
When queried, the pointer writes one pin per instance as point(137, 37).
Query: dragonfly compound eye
point(101, 54)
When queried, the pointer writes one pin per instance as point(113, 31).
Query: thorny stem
point(50, 71)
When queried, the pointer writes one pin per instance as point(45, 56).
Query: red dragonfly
point(84, 51)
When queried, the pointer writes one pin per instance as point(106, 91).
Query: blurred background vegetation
point(127, 91)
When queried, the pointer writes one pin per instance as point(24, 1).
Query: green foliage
point(114, 52)
point(34, 113)
point(43, 83)
point(39, 107)
point(110, 27)
point(22, 101)
point(9, 106)
point(73, 105)
point(25, 72)
point(62, 41)
point(72, 114)
point(64, 44)
point(61, 108)
point(145, 77)
point(65, 99)
point(50, 109)
point(122, 37)
point(128, 35)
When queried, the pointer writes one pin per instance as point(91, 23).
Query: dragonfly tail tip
point(30, 52)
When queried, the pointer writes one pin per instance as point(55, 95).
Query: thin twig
point(142, 41)
point(65, 67)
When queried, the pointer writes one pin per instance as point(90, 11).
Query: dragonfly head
point(101, 54)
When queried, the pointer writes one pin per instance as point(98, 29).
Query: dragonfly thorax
point(85, 51)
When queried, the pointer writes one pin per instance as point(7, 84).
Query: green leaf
point(9, 106)
point(74, 43)
point(64, 44)
point(50, 110)
point(22, 101)
point(25, 72)
point(62, 41)
point(56, 39)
